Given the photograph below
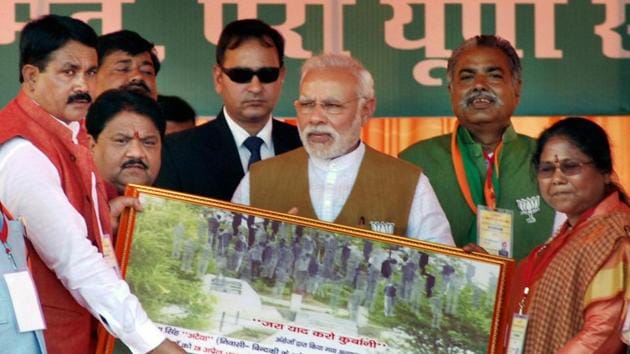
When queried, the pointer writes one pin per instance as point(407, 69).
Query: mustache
point(80, 97)
point(254, 98)
point(132, 162)
point(322, 128)
point(477, 94)
point(319, 128)
point(137, 86)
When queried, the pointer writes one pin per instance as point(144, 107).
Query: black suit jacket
point(204, 160)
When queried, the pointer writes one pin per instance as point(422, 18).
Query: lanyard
point(488, 186)
point(4, 229)
point(489, 192)
point(545, 253)
point(4, 236)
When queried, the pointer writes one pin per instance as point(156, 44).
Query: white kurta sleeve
point(30, 187)
point(427, 221)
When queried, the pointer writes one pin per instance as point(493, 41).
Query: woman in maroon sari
point(574, 289)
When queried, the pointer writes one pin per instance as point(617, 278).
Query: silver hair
point(340, 61)
point(489, 41)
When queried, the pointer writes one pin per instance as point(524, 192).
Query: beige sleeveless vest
point(383, 190)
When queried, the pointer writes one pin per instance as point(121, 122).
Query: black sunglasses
point(244, 75)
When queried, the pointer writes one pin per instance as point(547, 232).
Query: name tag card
point(25, 301)
point(495, 230)
point(517, 334)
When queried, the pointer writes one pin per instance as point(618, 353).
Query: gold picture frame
point(279, 283)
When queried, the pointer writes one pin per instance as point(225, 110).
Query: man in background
point(211, 159)
point(127, 61)
point(126, 130)
point(179, 114)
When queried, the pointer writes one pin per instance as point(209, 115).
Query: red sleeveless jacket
point(70, 327)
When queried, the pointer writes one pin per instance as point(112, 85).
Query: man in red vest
point(47, 177)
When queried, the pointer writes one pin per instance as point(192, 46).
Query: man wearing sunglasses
point(336, 177)
point(211, 159)
point(485, 162)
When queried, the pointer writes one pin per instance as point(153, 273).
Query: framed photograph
point(218, 277)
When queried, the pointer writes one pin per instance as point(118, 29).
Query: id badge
point(495, 229)
point(25, 301)
point(517, 334)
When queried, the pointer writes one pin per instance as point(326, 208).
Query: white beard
point(340, 145)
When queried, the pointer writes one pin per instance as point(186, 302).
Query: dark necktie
point(252, 144)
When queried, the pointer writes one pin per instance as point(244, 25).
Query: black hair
point(237, 32)
point(175, 109)
point(41, 37)
point(112, 102)
point(590, 139)
point(489, 41)
point(127, 41)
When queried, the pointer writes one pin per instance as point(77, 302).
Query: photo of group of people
point(254, 281)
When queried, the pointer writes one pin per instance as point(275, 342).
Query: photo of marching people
point(260, 282)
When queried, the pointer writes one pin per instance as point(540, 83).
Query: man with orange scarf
point(484, 162)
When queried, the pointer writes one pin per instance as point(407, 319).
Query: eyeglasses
point(307, 106)
point(567, 167)
point(266, 75)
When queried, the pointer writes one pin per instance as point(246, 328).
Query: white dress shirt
point(30, 187)
point(330, 183)
point(240, 134)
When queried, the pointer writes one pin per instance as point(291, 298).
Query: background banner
point(575, 53)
